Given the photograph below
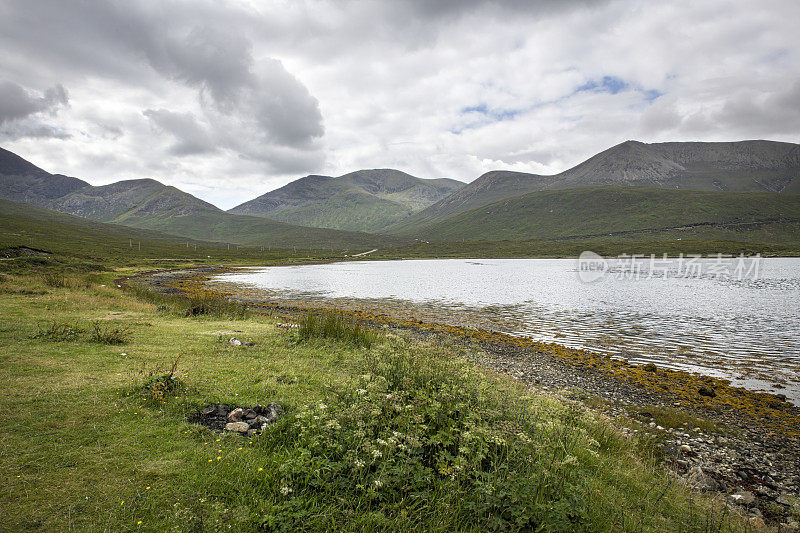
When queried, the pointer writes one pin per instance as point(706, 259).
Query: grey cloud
point(192, 138)
point(17, 103)
point(742, 111)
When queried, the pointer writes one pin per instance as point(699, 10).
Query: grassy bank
point(381, 432)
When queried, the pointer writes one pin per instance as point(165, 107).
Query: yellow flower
point(219, 458)
point(260, 469)
point(147, 488)
point(139, 523)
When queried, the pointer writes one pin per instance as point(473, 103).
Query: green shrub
point(335, 326)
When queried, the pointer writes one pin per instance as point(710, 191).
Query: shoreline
point(714, 436)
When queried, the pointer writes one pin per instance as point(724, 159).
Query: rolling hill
point(725, 166)
point(148, 204)
point(365, 200)
point(614, 212)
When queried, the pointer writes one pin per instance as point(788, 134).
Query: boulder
point(237, 427)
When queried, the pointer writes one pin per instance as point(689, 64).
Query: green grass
point(627, 213)
point(87, 445)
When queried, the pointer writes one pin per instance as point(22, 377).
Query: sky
point(229, 100)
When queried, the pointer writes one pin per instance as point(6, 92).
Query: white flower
point(381, 442)
point(376, 454)
point(322, 405)
point(285, 491)
point(359, 463)
point(378, 483)
point(361, 392)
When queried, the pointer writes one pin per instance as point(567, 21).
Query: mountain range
point(365, 200)
point(744, 191)
point(718, 166)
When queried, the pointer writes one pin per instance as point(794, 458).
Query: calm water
point(700, 317)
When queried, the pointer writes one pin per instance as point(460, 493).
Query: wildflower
point(359, 463)
point(219, 458)
point(322, 405)
point(285, 491)
point(260, 469)
point(381, 442)
point(139, 523)
point(376, 454)
point(378, 483)
point(147, 488)
point(361, 392)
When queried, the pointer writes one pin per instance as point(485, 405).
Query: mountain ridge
point(363, 200)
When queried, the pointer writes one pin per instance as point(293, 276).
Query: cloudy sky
point(228, 100)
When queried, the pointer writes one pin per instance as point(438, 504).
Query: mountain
point(615, 212)
point(148, 204)
point(722, 166)
point(25, 182)
point(366, 200)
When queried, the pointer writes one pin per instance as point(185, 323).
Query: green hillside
point(214, 225)
point(24, 229)
point(366, 200)
point(635, 213)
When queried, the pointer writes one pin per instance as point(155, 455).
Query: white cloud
point(231, 100)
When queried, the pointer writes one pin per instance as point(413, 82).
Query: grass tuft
point(109, 334)
point(337, 327)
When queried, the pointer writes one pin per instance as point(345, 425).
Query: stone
point(743, 497)
point(783, 499)
point(236, 415)
point(210, 410)
point(235, 342)
point(686, 448)
point(706, 391)
point(237, 427)
point(650, 367)
point(702, 481)
point(757, 523)
point(249, 414)
point(248, 343)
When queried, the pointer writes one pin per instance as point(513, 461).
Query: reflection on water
point(746, 329)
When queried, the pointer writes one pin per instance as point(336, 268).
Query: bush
point(335, 326)
point(109, 333)
point(415, 434)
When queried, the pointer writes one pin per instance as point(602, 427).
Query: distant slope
point(21, 181)
point(148, 204)
point(728, 166)
point(627, 212)
point(366, 200)
point(30, 226)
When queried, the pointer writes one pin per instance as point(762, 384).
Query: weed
point(60, 331)
point(54, 280)
point(109, 333)
point(160, 387)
